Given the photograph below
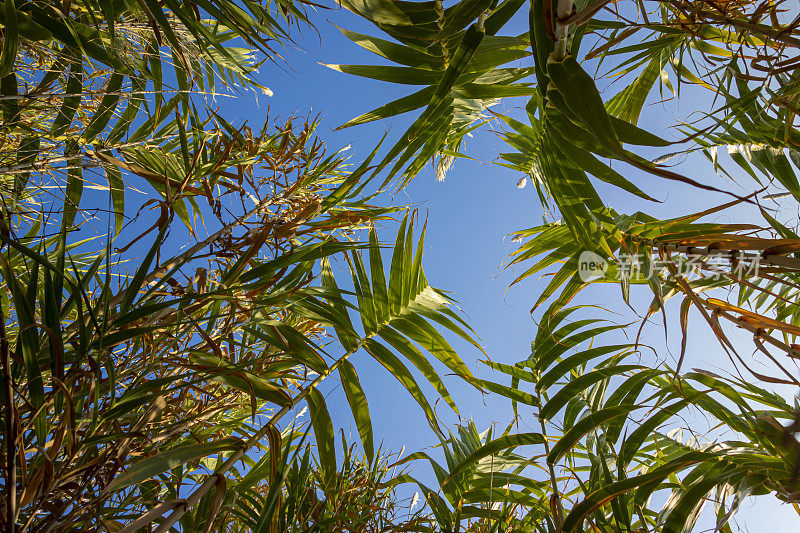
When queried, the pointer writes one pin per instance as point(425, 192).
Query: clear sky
point(469, 216)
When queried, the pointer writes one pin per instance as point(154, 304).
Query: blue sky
point(468, 217)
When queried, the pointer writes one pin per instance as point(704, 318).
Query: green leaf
point(137, 281)
point(105, 111)
point(342, 323)
point(425, 335)
point(396, 270)
point(28, 342)
point(379, 290)
point(584, 426)
point(628, 103)
point(630, 134)
point(10, 38)
point(630, 446)
point(116, 188)
point(541, 42)
point(396, 107)
point(399, 371)
point(323, 432)
point(408, 350)
point(512, 393)
point(579, 384)
point(492, 447)
point(233, 375)
point(403, 75)
point(74, 191)
point(610, 491)
point(486, 91)
point(159, 463)
point(358, 405)
point(403, 55)
point(581, 96)
point(382, 11)
point(71, 101)
point(461, 14)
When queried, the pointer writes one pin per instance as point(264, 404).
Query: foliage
point(158, 385)
point(605, 411)
point(146, 383)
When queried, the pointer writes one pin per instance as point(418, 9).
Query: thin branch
point(11, 432)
